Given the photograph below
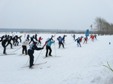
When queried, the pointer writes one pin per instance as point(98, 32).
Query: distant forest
point(101, 26)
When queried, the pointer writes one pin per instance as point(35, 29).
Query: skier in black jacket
point(4, 44)
point(78, 41)
point(33, 47)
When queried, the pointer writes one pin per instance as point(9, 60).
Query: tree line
point(103, 27)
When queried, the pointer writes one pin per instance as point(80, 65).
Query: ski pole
point(17, 49)
point(40, 52)
point(27, 61)
point(55, 45)
point(38, 56)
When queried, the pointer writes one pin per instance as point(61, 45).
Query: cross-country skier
point(33, 47)
point(24, 47)
point(73, 36)
point(87, 33)
point(39, 40)
point(4, 44)
point(78, 41)
point(85, 40)
point(60, 41)
point(48, 46)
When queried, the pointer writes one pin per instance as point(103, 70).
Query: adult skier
point(48, 46)
point(24, 47)
point(60, 41)
point(4, 44)
point(33, 46)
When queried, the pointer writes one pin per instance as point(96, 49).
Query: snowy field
point(71, 65)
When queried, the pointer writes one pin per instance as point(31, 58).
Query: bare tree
point(103, 26)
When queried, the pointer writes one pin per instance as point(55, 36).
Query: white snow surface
point(71, 65)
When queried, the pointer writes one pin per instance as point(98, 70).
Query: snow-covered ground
point(72, 65)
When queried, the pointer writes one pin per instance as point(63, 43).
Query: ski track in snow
point(71, 65)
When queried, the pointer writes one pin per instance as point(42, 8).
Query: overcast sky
point(54, 14)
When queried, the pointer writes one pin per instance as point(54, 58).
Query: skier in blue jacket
point(60, 41)
point(49, 42)
point(87, 33)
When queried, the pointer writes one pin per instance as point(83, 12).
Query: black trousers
point(31, 57)
point(78, 44)
point(48, 51)
point(60, 43)
point(4, 51)
point(24, 49)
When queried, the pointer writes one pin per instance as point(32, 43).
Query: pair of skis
point(35, 64)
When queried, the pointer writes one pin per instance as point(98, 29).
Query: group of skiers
point(85, 39)
point(12, 40)
point(50, 41)
point(81, 39)
point(33, 46)
point(34, 43)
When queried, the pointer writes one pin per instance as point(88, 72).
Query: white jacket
point(25, 43)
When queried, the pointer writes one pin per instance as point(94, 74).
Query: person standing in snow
point(39, 40)
point(4, 44)
point(73, 36)
point(15, 40)
point(87, 33)
point(85, 40)
point(24, 46)
point(60, 41)
point(95, 36)
point(78, 41)
point(48, 46)
point(33, 47)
